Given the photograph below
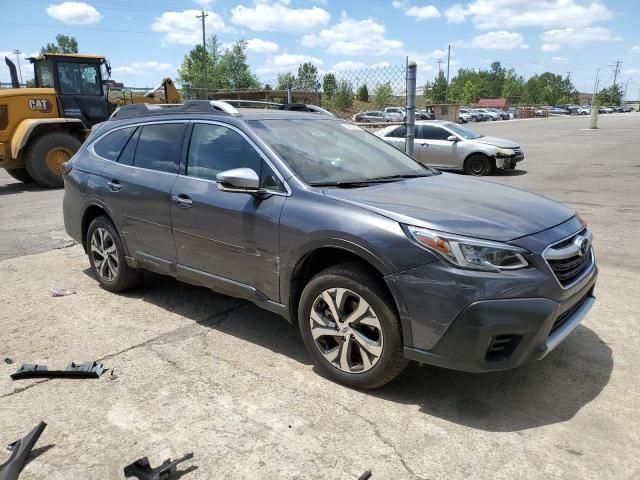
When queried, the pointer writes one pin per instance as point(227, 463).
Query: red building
point(500, 103)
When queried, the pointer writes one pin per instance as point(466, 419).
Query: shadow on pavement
point(19, 187)
point(550, 391)
point(509, 173)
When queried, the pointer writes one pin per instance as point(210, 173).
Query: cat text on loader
point(42, 127)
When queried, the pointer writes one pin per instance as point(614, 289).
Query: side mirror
point(452, 138)
point(238, 180)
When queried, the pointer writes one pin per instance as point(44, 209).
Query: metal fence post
point(411, 107)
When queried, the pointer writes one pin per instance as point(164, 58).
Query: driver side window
point(215, 148)
point(431, 132)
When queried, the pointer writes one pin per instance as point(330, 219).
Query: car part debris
point(61, 292)
point(73, 370)
point(20, 450)
point(365, 476)
point(141, 469)
point(8, 361)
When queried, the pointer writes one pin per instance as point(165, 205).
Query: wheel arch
point(32, 128)
point(90, 213)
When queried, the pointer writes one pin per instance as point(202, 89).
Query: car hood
point(460, 205)
point(497, 142)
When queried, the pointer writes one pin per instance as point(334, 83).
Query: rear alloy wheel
point(478, 165)
point(106, 256)
point(350, 326)
point(46, 155)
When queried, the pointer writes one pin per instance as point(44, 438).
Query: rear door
point(138, 192)
point(227, 240)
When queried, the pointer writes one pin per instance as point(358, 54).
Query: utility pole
point(204, 46)
point(446, 91)
point(616, 70)
point(569, 75)
point(17, 53)
point(439, 63)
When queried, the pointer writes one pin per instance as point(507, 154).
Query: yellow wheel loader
point(42, 127)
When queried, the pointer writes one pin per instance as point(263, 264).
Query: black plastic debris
point(8, 361)
point(141, 469)
point(20, 450)
point(73, 370)
point(365, 476)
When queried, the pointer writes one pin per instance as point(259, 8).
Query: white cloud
point(183, 27)
point(501, 39)
point(351, 65)
point(554, 40)
point(204, 2)
point(278, 17)
point(487, 14)
point(140, 68)
point(25, 66)
point(426, 60)
point(423, 13)
point(353, 37)
point(257, 45)
point(74, 13)
point(635, 48)
point(560, 59)
point(288, 59)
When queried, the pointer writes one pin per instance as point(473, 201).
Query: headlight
point(468, 252)
point(505, 151)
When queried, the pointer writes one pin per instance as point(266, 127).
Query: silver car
point(449, 146)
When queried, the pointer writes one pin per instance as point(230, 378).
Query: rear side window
point(159, 147)
point(126, 157)
point(111, 145)
point(399, 132)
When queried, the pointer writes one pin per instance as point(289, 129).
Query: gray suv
point(376, 258)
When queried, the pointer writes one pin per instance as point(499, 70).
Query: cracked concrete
point(196, 371)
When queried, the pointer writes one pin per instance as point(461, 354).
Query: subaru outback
point(376, 258)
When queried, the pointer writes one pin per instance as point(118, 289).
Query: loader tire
point(20, 174)
point(46, 156)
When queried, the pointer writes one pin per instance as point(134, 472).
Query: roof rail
point(300, 107)
point(135, 109)
point(208, 105)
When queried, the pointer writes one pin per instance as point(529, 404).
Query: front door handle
point(114, 185)
point(182, 200)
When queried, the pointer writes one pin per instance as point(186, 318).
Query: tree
point(610, 96)
point(307, 77)
point(343, 97)
point(513, 86)
point(382, 95)
point(234, 68)
point(363, 93)
point(329, 84)
point(438, 89)
point(285, 80)
point(64, 44)
point(191, 71)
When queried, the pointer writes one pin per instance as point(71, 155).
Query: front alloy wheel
point(346, 330)
point(104, 254)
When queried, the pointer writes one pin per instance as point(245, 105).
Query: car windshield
point(463, 132)
point(331, 152)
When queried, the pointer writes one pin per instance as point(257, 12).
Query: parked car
point(558, 111)
point(376, 258)
point(424, 115)
point(540, 112)
point(449, 146)
point(606, 110)
point(373, 117)
point(398, 113)
point(584, 110)
point(489, 114)
point(504, 115)
point(475, 116)
point(464, 117)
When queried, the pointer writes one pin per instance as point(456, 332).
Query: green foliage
point(64, 44)
point(469, 86)
point(329, 84)
point(382, 95)
point(435, 92)
point(224, 69)
point(286, 80)
point(307, 77)
point(363, 93)
point(342, 99)
point(610, 96)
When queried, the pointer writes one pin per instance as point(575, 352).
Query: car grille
point(564, 316)
point(571, 258)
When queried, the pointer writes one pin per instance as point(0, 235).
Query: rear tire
point(46, 156)
point(106, 256)
point(478, 165)
point(363, 346)
point(20, 174)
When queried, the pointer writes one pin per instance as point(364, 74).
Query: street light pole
point(17, 53)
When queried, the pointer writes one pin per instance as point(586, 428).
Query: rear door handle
point(114, 185)
point(182, 200)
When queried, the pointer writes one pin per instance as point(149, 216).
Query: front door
point(435, 149)
point(226, 237)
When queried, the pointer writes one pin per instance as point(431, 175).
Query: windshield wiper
point(397, 177)
point(367, 181)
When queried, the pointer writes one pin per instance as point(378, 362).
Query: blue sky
point(146, 40)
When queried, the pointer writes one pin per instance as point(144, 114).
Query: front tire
point(106, 256)
point(350, 326)
point(478, 165)
point(47, 154)
point(20, 174)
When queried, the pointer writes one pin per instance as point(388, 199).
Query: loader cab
point(77, 80)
